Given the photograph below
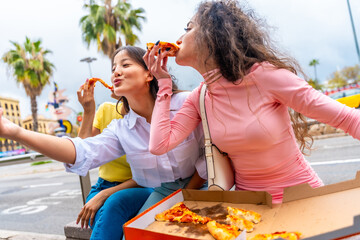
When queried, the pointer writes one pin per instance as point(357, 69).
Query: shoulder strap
point(208, 144)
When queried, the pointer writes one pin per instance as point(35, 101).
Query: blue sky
point(305, 29)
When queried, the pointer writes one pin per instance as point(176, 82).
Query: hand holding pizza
point(86, 97)
point(157, 66)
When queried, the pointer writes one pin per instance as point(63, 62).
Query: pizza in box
point(227, 226)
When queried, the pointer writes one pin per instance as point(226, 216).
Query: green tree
point(351, 74)
point(337, 80)
point(313, 63)
point(345, 76)
point(106, 24)
point(30, 68)
point(315, 84)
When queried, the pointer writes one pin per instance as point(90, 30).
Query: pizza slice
point(182, 214)
point(222, 231)
point(241, 223)
point(247, 214)
point(173, 48)
point(276, 235)
point(94, 80)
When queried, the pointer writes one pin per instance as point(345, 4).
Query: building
point(43, 124)
point(12, 112)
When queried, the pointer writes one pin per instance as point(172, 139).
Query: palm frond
point(35, 65)
point(105, 21)
point(109, 33)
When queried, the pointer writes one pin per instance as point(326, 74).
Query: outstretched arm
point(287, 88)
point(60, 149)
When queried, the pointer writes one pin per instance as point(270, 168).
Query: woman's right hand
point(157, 66)
point(8, 129)
point(86, 97)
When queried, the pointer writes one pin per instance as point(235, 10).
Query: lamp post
point(88, 60)
point(354, 32)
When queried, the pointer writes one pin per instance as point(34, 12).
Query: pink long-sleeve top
point(250, 122)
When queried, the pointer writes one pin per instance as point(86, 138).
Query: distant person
point(183, 167)
point(250, 87)
point(107, 206)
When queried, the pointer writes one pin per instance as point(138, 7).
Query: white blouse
point(130, 136)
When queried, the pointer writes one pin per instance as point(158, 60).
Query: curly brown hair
point(236, 39)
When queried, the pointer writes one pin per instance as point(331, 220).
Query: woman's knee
point(126, 198)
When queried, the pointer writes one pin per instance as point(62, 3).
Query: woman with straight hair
point(183, 167)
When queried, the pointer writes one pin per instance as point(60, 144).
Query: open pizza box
point(329, 212)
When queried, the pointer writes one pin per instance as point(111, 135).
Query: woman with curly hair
point(250, 88)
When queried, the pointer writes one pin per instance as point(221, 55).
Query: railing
point(85, 183)
point(24, 158)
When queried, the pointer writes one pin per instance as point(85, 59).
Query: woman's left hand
point(89, 210)
point(157, 66)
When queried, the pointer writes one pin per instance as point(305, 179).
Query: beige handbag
point(219, 168)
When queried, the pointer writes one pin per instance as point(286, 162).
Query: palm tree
point(30, 68)
point(313, 63)
point(105, 25)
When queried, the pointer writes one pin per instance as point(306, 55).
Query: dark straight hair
point(136, 54)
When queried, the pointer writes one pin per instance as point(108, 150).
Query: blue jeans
point(117, 209)
point(165, 190)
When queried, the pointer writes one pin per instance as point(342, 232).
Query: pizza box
point(328, 212)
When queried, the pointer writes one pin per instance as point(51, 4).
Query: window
point(12, 107)
point(6, 106)
point(17, 107)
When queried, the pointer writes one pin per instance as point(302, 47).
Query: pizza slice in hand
point(172, 48)
point(222, 231)
point(182, 214)
point(94, 80)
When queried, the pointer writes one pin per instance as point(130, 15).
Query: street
point(44, 198)
point(335, 159)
